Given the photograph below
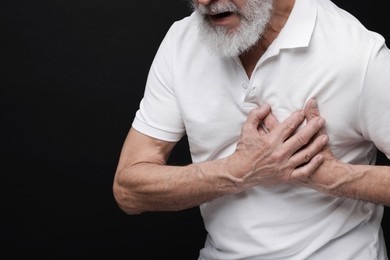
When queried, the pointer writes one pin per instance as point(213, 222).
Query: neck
point(280, 13)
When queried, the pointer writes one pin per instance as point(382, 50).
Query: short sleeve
point(374, 107)
point(159, 115)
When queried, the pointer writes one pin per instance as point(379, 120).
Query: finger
point(311, 109)
point(262, 129)
point(304, 155)
point(289, 125)
point(256, 116)
point(304, 135)
point(307, 169)
point(311, 112)
point(270, 122)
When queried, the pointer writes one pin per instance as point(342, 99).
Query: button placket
point(252, 91)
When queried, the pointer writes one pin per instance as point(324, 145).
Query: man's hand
point(326, 178)
point(269, 153)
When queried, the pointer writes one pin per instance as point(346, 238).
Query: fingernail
point(312, 103)
point(325, 139)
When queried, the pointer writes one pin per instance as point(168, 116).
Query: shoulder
point(344, 25)
point(182, 43)
point(184, 29)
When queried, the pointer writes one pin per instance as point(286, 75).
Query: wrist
point(236, 173)
point(218, 174)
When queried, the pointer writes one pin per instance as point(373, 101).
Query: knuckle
point(245, 129)
point(306, 157)
point(290, 126)
point(302, 139)
point(289, 176)
point(254, 113)
point(305, 173)
point(277, 156)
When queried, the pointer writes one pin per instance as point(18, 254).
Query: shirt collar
point(299, 27)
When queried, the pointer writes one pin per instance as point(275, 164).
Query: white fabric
point(322, 52)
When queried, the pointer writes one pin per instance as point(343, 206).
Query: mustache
point(217, 8)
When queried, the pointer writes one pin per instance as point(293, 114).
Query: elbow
point(125, 199)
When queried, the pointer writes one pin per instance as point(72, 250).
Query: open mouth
point(219, 16)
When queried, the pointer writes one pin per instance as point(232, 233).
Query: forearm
point(362, 182)
point(153, 187)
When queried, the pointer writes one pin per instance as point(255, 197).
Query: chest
point(215, 101)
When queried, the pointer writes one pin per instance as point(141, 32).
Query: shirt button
point(252, 92)
point(244, 85)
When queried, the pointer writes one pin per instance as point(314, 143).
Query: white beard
point(254, 18)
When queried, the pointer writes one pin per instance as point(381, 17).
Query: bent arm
point(143, 181)
point(362, 182)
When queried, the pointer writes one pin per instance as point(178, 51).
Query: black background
point(72, 77)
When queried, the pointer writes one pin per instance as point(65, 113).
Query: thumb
point(257, 115)
point(311, 109)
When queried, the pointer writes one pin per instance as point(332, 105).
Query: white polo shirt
point(322, 52)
